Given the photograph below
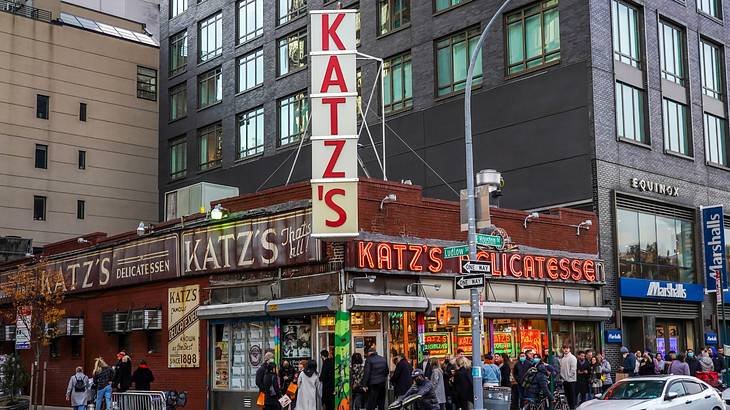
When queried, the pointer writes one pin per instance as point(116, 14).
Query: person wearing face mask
point(706, 364)
point(424, 388)
point(535, 383)
point(519, 372)
point(569, 374)
point(692, 362)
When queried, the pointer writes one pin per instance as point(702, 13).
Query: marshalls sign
point(334, 124)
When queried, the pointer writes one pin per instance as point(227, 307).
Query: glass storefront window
point(239, 349)
point(296, 339)
point(504, 337)
point(585, 336)
point(221, 339)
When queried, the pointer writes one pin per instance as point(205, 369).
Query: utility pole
point(476, 319)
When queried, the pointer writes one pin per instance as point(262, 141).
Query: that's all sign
point(334, 124)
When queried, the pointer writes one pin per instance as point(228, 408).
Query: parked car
point(658, 392)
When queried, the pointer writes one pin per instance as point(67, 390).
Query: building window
point(153, 341)
point(630, 113)
point(292, 52)
point(82, 159)
point(398, 87)
point(251, 133)
point(625, 21)
point(178, 102)
point(393, 15)
point(210, 88)
point(453, 56)
point(42, 109)
point(711, 8)
point(357, 25)
point(210, 37)
point(178, 158)
point(76, 346)
point(289, 10)
point(671, 52)
point(250, 20)
point(358, 84)
point(675, 127)
point(146, 83)
point(716, 140)
point(251, 70)
point(80, 209)
point(178, 7)
point(82, 112)
point(711, 57)
point(293, 117)
point(123, 343)
point(41, 156)
point(441, 5)
point(178, 53)
point(210, 141)
point(655, 247)
point(39, 208)
point(533, 37)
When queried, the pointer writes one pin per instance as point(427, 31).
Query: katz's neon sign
point(387, 256)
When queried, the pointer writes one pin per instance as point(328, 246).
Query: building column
point(649, 332)
point(343, 335)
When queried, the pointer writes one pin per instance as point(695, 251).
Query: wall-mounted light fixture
point(409, 288)
point(351, 282)
point(388, 199)
point(529, 217)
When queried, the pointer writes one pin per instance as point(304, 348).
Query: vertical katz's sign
point(713, 241)
point(183, 327)
point(334, 124)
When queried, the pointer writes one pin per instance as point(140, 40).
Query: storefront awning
point(386, 303)
point(539, 311)
point(233, 310)
point(303, 305)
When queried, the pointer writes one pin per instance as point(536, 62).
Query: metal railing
point(19, 9)
point(138, 400)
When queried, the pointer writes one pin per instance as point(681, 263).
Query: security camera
point(141, 229)
point(371, 279)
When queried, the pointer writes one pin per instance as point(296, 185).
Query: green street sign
point(456, 251)
point(489, 240)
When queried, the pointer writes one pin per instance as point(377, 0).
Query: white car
point(657, 392)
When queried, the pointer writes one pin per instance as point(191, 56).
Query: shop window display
point(296, 340)
point(239, 351)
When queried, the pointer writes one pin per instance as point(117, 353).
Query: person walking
point(606, 380)
point(261, 371)
point(123, 372)
point(142, 377)
point(327, 377)
point(463, 386)
point(401, 379)
point(376, 375)
point(628, 365)
point(583, 382)
point(437, 380)
point(491, 375)
point(272, 388)
point(569, 374)
point(679, 367)
point(357, 373)
point(309, 390)
point(103, 379)
point(78, 387)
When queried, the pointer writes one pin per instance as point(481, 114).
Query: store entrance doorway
point(364, 340)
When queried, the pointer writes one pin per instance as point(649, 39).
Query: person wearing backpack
point(76, 392)
point(535, 382)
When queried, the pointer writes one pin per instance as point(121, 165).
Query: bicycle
point(544, 402)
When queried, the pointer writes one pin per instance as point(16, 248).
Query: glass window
point(251, 70)
point(177, 7)
point(655, 247)
point(251, 133)
point(178, 102)
point(82, 159)
point(630, 113)
point(711, 8)
point(452, 61)
point(80, 209)
point(221, 353)
point(42, 109)
point(675, 127)
point(210, 88)
point(289, 10)
point(398, 85)
point(39, 208)
point(178, 52)
point(533, 36)
point(446, 4)
point(625, 22)
point(146, 83)
point(357, 25)
point(210, 141)
point(358, 84)
point(292, 52)
point(711, 57)
point(210, 37)
point(678, 388)
point(293, 117)
point(178, 158)
point(250, 20)
point(716, 139)
point(82, 112)
point(41, 156)
point(504, 337)
point(671, 52)
point(394, 14)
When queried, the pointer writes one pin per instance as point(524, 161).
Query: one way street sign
point(472, 281)
point(468, 266)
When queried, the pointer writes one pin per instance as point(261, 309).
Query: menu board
point(530, 339)
point(297, 339)
point(221, 363)
point(504, 342)
point(437, 344)
point(238, 367)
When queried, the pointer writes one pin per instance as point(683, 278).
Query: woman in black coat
point(463, 386)
point(123, 373)
point(272, 389)
point(505, 371)
point(142, 377)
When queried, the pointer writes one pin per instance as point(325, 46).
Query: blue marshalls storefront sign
point(713, 242)
point(614, 336)
point(710, 338)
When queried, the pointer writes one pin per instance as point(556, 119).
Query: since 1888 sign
point(334, 124)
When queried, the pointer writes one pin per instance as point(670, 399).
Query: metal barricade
point(138, 400)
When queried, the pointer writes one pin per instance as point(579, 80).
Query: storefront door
point(669, 337)
point(362, 341)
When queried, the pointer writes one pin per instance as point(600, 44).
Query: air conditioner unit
point(153, 319)
point(137, 320)
point(121, 322)
point(188, 200)
point(74, 326)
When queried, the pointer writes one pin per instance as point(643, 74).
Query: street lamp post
point(476, 319)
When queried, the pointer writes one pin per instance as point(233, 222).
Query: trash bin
point(497, 398)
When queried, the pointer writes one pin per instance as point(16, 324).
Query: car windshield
point(635, 390)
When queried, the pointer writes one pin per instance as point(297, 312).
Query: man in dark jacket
point(583, 371)
point(142, 377)
point(261, 371)
point(327, 377)
point(692, 362)
point(628, 365)
point(539, 384)
point(374, 379)
point(401, 379)
point(425, 365)
point(718, 360)
point(519, 371)
point(424, 388)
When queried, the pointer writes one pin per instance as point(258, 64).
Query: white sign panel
point(22, 329)
point(334, 124)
